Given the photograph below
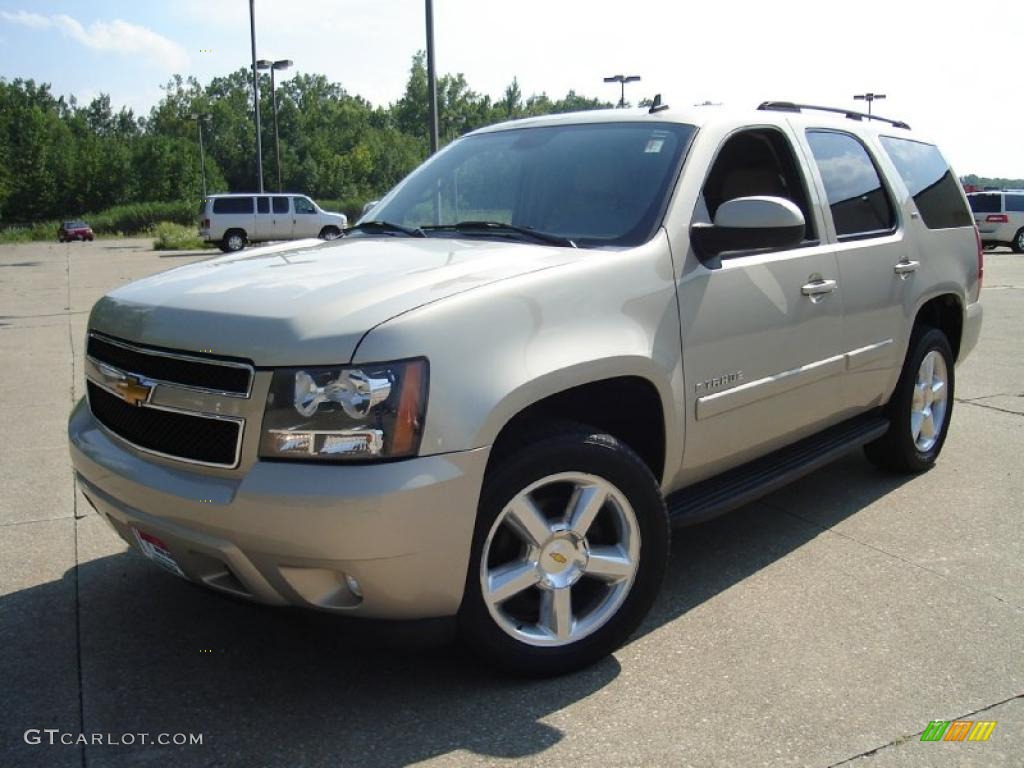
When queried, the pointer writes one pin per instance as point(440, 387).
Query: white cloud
point(117, 36)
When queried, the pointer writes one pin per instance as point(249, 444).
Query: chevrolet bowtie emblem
point(132, 391)
point(559, 558)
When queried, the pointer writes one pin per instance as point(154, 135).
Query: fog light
point(353, 586)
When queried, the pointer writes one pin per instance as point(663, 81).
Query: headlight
point(345, 413)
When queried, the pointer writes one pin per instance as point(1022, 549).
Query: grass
point(168, 236)
point(131, 219)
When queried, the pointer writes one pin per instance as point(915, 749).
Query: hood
point(306, 305)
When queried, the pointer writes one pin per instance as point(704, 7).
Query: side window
point(1015, 203)
point(280, 204)
point(232, 205)
point(262, 205)
point(931, 183)
point(303, 205)
point(757, 162)
point(860, 204)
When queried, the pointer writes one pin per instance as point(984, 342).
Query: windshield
point(596, 184)
point(74, 225)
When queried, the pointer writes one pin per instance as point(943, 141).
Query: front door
point(305, 221)
point(761, 332)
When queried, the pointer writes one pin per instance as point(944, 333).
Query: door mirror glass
point(749, 224)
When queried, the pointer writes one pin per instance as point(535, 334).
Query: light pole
point(431, 79)
point(869, 97)
point(202, 155)
point(280, 64)
point(622, 80)
point(256, 96)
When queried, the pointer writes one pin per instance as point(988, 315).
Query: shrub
point(168, 236)
point(130, 219)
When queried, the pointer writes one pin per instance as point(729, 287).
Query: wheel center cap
point(562, 560)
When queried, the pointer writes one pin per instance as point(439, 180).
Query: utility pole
point(622, 80)
point(256, 96)
point(431, 79)
point(868, 97)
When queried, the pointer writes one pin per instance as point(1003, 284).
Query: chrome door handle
point(904, 268)
point(818, 287)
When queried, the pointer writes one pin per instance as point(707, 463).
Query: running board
point(736, 487)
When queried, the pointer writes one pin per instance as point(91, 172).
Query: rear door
point(264, 226)
point(1014, 204)
point(876, 264)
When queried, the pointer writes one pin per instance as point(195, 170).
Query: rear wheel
point(1018, 241)
point(920, 408)
point(570, 548)
point(233, 241)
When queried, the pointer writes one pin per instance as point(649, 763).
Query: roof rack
point(789, 106)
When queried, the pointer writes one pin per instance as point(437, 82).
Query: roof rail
point(789, 106)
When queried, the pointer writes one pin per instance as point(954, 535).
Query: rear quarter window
point(232, 205)
point(928, 178)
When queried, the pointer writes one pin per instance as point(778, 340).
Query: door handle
point(904, 268)
point(818, 287)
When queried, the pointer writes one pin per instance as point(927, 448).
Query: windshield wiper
point(497, 226)
point(386, 226)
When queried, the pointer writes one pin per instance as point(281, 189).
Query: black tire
point(330, 233)
point(896, 450)
point(537, 455)
point(1018, 241)
point(234, 241)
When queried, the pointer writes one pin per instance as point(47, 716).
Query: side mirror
point(748, 224)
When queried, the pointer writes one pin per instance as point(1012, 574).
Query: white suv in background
point(1000, 217)
point(231, 221)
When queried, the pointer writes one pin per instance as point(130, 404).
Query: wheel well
point(945, 313)
point(626, 407)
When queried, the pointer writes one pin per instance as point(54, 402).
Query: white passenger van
point(231, 221)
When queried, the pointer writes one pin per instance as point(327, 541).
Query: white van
point(231, 221)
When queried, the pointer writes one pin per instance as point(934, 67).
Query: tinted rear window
point(860, 204)
point(1015, 203)
point(280, 204)
point(931, 183)
point(232, 205)
point(982, 203)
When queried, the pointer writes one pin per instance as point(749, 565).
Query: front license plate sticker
point(156, 550)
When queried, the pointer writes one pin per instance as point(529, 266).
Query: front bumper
point(289, 533)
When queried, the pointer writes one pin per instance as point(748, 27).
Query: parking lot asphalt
point(825, 625)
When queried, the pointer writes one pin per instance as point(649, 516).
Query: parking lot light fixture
point(202, 155)
point(256, 96)
point(869, 98)
point(622, 80)
point(279, 65)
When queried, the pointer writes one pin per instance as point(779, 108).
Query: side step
point(736, 487)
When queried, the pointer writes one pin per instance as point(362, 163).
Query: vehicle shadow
point(280, 687)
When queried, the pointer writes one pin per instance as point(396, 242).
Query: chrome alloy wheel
point(560, 559)
point(929, 404)
point(235, 242)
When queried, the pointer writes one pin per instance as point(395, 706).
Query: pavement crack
point(894, 556)
point(990, 407)
point(902, 739)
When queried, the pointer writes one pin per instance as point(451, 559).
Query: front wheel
point(921, 406)
point(330, 233)
point(570, 548)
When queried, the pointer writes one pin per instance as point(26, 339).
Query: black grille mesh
point(220, 378)
point(176, 434)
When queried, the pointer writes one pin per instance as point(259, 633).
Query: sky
point(950, 71)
